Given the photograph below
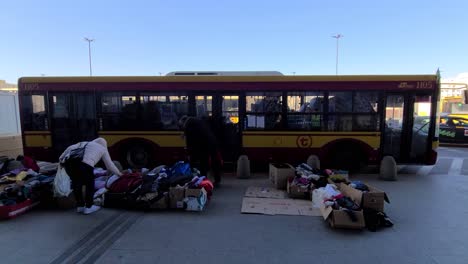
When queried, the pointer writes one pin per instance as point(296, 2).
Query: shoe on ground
point(80, 210)
point(91, 209)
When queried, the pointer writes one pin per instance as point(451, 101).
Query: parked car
point(453, 129)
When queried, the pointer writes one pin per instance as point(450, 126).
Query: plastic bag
point(62, 183)
point(321, 194)
point(181, 169)
point(318, 196)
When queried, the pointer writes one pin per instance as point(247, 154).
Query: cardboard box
point(340, 218)
point(279, 174)
point(176, 197)
point(295, 191)
point(195, 199)
point(162, 203)
point(194, 192)
point(374, 199)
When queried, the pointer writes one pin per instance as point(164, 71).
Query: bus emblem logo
point(404, 85)
point(304, 141)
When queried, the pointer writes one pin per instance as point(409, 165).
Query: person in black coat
point(202, 146)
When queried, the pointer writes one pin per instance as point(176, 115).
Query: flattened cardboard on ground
point(374, 199)
point(341, 219)
point(270, 206)
point(265, 192)
point(299, 192)
point(279, 174)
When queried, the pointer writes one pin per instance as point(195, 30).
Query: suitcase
point(12, 211)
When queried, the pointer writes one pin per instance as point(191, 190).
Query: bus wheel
point(138, 156)
point(348, 159)
point(388, 169)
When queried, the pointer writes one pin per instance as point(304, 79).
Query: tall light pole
point(337, 36)
point(89, 53)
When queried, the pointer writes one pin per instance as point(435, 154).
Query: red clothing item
point(208, 186)
point(29, 163)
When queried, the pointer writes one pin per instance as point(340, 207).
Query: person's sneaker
point(80, 210)
point(91, 209)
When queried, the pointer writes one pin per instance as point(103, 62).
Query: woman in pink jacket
point(81, 172)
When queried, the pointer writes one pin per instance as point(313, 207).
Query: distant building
point(4, 86)
point(454, 94)
point(10, 128)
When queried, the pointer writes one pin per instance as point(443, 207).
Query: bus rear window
point(33, 108)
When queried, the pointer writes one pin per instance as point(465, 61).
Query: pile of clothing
point(337, 199)
point(147, 189)
point(307, 176)
point(20, 185)
point(344, 203)
point(359, 186)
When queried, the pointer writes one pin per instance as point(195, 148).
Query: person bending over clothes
point(81, 172)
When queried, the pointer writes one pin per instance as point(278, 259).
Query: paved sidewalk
point(428, 210)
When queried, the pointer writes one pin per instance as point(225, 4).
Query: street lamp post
point(337, 36)
point(89, 53)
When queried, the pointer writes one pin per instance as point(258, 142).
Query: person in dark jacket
point(202, 146)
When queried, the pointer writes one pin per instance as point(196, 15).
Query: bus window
point(264, 111)
point(353, 112)
point(366, 123)
point(34, 112)
point(161, 111)
point(173, 110)
point(340, 123)
point(305, 111)
point(231, 108)
point(340, 102)
point(204, 106)
point(150, 111)
point(366, 102)
point(61, 106)
point(367, 105)
point(119, 111)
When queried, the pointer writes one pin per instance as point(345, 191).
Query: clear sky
point(152, 37)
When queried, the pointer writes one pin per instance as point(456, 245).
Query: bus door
point(222, 112)
point(394, 136)
point(407, 126)
point(73, 119)
point(231, 138)
point(420, 123)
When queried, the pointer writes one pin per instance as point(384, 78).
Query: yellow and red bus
point(345, 120)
